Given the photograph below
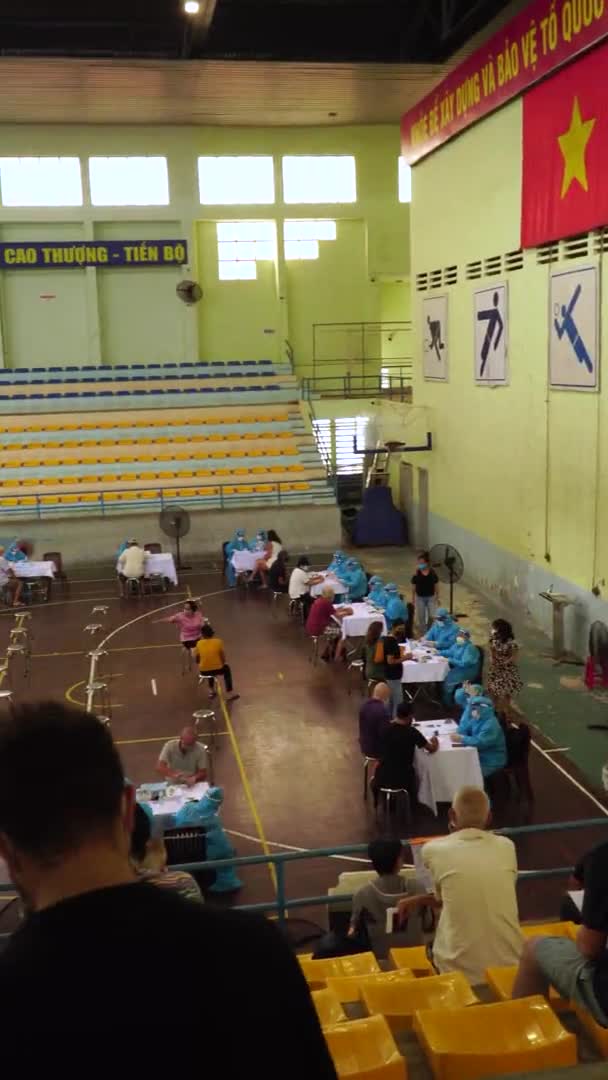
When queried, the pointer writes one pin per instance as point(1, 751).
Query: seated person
point(300, 581)
point(354, 577)
point(259, 542)
point(465, 692)
point(383, 660)
point(443, 631)
point(337, 563)
point(238, 543)
point(211, 659)
point(17, 551)
point(372, 900)
point(374, 721)
point(395, 612)
point(464, 659)
point(377, 593)
point(324, 618)
point(482, 729)
point(577, 969)
point(131, 564)
point(474, 873)
point(149, 858)
point(10, 585)
point(397, 748)
point(268, 557)
point(205, 813)
point(278, 574)
point(184, 759)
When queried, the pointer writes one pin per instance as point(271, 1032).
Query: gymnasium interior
point(290, 265)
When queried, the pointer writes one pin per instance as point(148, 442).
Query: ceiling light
point(192, 7)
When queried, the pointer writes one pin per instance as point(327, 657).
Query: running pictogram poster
point(491, 336)
point(573, 330)
point(435, 338)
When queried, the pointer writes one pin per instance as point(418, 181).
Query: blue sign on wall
point(66, 255)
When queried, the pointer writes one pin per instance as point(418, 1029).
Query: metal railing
point(392, 382)
point(212, 496)
point(363, 347)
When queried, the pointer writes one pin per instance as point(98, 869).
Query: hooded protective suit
point(238, 543)
point(205, 812)
point(483, 731)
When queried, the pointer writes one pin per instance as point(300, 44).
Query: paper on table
point(577, 896)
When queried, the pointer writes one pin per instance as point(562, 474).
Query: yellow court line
point(121, 648)
point(161, 738)
point(246, 786)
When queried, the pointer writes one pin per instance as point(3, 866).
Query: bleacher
point(209, 435)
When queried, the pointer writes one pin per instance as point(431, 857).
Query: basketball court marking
point(547, 756)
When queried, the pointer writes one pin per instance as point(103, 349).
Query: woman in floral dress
point(504, 680)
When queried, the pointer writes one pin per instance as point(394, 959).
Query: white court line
point(155, 611)
point(153, 685)
point(558, 749)
point(580, 787)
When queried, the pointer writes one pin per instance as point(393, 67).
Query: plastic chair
point(552, 929)
point(56, 557)
point(415, 958)
point(400, 1000)
point(329, 1009)
point(348, 987)
point(365, 1049)
point(493, 1040)
point(501, 979)
point(317, 972)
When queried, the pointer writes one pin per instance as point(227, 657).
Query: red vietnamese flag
point(565, 152)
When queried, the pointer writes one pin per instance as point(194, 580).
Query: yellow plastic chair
point(27, 500)
point(501, 979)
point(316, 972)
point(399, 1001)
point(414, 958)
point(552, 929)
point(365, 1050)
point(263, 489)
point(12, 502)
point(329, 1009)
point(493, 1040)
point(597, 1034)
point(348, 987)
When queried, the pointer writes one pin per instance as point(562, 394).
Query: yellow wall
point(128, 315)
point(516, 466)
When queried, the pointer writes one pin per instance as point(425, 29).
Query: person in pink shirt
point(190, 622)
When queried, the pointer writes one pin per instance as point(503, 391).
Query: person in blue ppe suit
point(205, 812)
point(443, 631)
point(354, 577)
point(377, 592)
point(337, 563)
point(123, 547)
point(464, 697)
point(395, 612)
point(14, 553)
point(260, 541)
point(238, 543)
point(464, 659)
point(483, 731)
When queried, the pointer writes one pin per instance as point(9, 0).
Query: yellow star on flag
point(573, 145)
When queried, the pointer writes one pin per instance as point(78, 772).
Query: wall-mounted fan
point(189, 292)
point(448, 565)
point(175, 522)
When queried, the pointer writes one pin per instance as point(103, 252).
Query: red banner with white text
point(543, 37)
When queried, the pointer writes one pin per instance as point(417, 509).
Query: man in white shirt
point(132, 562)
point(474, 873)
point(300, 581)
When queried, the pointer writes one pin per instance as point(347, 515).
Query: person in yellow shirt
point(211, 660)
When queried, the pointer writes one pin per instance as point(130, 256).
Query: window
point(46, 181)
point(302, 237)
point(236, 181)
point(405, 181)
point(319, 180)
point(129, 181)
point(242, 244)
point(335, 443)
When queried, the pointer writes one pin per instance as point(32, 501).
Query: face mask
point(475, 714)
point(422, 565)
point(460, 640)
point(441, 621)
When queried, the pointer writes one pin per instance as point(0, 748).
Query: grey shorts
point(570, 974)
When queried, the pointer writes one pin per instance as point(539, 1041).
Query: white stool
point(205, 722)
point(358, 667)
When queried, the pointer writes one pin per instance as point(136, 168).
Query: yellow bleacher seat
point(68, 480)
point(181, 457)
point(230, 490)
point(30, 480)
point(10, 501)
point(123, 442)
point(259, 469)
point(301, 485)
point(414, 958)
point(204, 472)
point(89, 496)
point(109, 479)
point(182, 475)
point(165, 476)
point(87, 427)
point(552, 929)
point(296, 468)
point(400, 1001)
point(181, 439)
point(276, 468)
point(329, 1009)
point(597, 1034)
point(68, 498)
point(127, 477)
point(208, 491)
point(365, 1050)
point(250, 435)
point(348, 987)
point(71, 427)
point(264, 489)
point(493, 1040)
point(170, 493)
point(244, 489)
point(221, 472)
point(70, 445)
point(148, 494)
point(162, 439)
point(147, 476)
point(501, 979)
point(27, 500)
point(47, 499)
point(316, 972)
point(128, 460)
point(240, 472)
point(49, 427)
point(217, 454)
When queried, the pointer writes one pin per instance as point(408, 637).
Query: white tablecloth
point(356, 625)
point(161, 563)
point(165, 808)
point(425, 668)
point(244, 561)
point(27, 569)
point(440, 775)
point(328, 579)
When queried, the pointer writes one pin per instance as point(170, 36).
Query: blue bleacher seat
point(88, 367)
point(36, 396)
point(71, 393)
point(105, 393)
point(35, 369)
point(85, 393)
point(89, 378)
point(37, 382)
point(121, 367)
point(71, 367)
point(138, 366)
point(59, 369)
point(122, 393)
point(154, 365)
point(156, 391)
point(169, 365)
point(53, 395)
point(249, 361)
point(19, 397)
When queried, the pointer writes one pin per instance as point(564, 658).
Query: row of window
point(144, 181)
point(243, 244)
